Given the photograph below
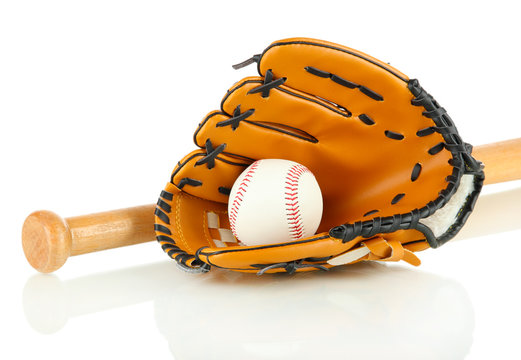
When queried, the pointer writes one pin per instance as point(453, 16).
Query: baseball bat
point(48, 240)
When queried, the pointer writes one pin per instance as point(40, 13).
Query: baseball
point(274, 201)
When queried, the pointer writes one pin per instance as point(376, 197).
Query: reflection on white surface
point(368, 310)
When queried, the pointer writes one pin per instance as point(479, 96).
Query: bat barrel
point(48, 240)
point(502, 160)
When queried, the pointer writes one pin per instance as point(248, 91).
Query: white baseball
point(274, 201)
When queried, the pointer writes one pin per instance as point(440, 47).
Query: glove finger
point(208, 173)
point(283, 117)
point(345, 76)
point(284, 105)
point(253, 141)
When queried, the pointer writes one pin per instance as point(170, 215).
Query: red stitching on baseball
point(234, 212)
point(293, 215)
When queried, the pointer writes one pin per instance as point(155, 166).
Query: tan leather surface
point(358, 167)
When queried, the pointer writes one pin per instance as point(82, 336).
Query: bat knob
point(46, 240)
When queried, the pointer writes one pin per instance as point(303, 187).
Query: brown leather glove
point(395, 175)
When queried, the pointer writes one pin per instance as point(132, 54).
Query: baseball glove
point(396, 177)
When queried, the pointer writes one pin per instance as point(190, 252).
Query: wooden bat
point(48, 240)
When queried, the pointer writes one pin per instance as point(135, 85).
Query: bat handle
point(48, 240)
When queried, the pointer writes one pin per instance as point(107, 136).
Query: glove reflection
point(367, 310)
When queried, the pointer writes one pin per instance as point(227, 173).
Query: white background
point(99, 100)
